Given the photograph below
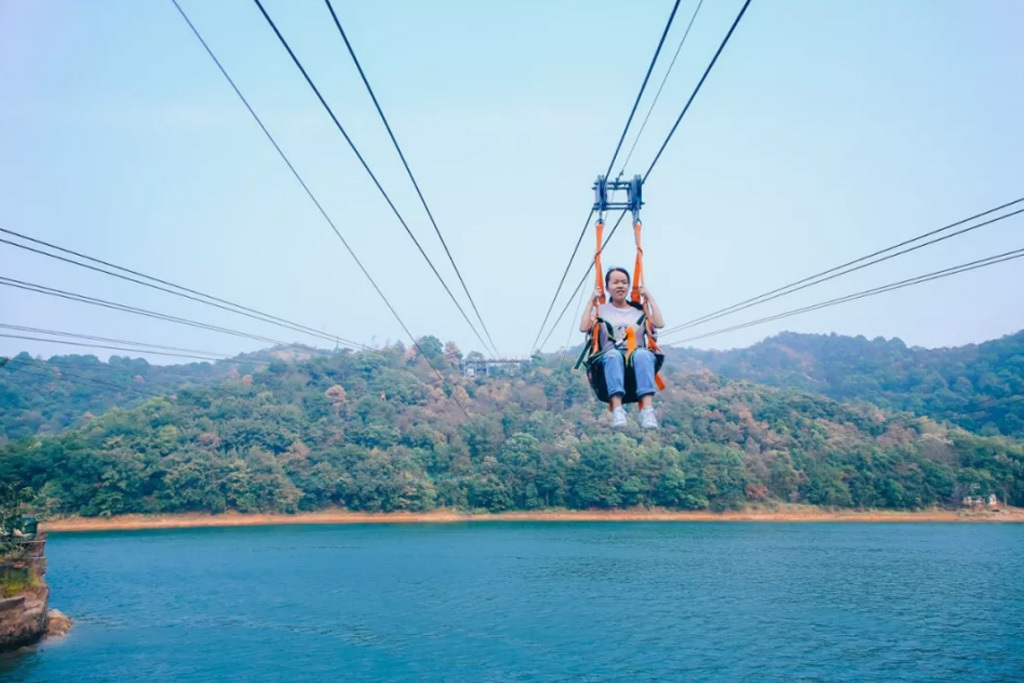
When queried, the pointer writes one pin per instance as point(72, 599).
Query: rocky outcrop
point(25, 611)
point(23, 617)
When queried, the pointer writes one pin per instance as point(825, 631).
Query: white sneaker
point(619, 418)
point(647, 419)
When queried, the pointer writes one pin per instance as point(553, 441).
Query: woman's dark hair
point(608, 276)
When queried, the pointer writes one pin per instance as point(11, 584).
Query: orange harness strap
point(653, 345)
point(595, 333)
point(630, 341)
point(638, 267)
point(638, 283)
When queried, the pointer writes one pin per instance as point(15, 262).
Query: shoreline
point(194, 520)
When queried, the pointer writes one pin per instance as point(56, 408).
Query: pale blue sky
point(827, 130)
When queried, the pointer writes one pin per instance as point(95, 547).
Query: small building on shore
point(981, 502)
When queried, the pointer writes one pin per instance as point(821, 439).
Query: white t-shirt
point(620, 319)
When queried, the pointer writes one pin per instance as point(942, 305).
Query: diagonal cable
point(661, 87)
point(312, 197)
point(696, 90)
point(113, 305)
point(909, 282)
point(405, 163)
point(366, 167)
point(185, 293)
point(568, 337)
point(855, 265)
point(583, 279)
point(643, 86)
point(558, 289)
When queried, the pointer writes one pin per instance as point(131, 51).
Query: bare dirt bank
point(787, 514)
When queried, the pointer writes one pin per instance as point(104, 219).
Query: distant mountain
point(979, 387)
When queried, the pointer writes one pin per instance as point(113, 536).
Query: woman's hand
point(590, 312)
point(652, 306)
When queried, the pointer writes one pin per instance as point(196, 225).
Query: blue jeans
point(615, 372)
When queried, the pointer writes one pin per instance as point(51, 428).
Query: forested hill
point(979, 387)
point(49, 396)
point(378, 431)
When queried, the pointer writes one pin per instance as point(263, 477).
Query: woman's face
point(618, 286)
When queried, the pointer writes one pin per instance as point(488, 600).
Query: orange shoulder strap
point(638, 267)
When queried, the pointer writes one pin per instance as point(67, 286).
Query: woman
point(623, 315)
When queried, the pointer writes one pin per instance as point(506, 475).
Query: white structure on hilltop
point(492, 367)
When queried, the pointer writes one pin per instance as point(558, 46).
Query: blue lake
point(538, 601)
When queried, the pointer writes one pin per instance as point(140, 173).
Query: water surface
point(539, 601)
